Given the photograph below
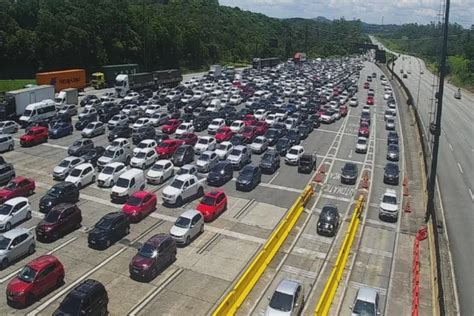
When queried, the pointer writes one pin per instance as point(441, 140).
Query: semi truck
point(259, 63)
point(63, 79)
point(126, 83)
point(106, 77)
point(67, 96)
point(16, 101)
point(167, 78)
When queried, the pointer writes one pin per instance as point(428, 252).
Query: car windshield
point(247, 171)
point(208, 200)
point(163, 145)
point(65, 163)
point(123, 183)
point(134, 201)
point(142, 145)
point(141, 154)
point(157, 167)
point(204, 157)
point(293, 152)
point(75, 172)
point(267, 157)
point(148, 251)
point(258, 141)
point(5, 209)
point(90, 125)
point(203, 141)
point(77, 143)
point(363, 308)
point(182, 222)
point(389, 199)
point(183, 171)
point(177, 184)
point(104, 223)
point(222, 147)
point(362, 141)
point(27, 274)
point(349, 167)
point(108, 170)
point(10, 186)
point(52, 216)
point(4, 242)
point(281, 301)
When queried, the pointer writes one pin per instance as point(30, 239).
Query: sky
point(370, 11)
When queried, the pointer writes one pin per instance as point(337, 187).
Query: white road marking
point(472, 195)
point(299, 272)
point(350, 154)
point(279, 187)
point(274, 177)
point(378, 252)
point(334, 197)
point(450, 147)
point(357, 285)
point(460, 168)
point(310, 254)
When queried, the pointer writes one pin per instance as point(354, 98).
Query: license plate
point(92, 241)
point(136, 271)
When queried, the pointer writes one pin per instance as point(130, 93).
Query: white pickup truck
point(183, 188)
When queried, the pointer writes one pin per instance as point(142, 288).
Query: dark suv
point(391, 174)
point(61, 220)
point(62, 192)
point(145, 132)
point(156, 254)
point(88, 298)
point(220, 174)
point(270, 162)
point(183, 155)
point(109, 229)
point(349, 173)
point(120, 131)
point(307, 163)
point(328, 221)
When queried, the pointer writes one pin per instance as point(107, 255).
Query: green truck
point(106, 77)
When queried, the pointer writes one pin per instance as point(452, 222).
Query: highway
point(455, 174)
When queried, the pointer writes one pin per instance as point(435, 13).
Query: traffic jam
point(178, 183)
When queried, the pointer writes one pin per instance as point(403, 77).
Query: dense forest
point(425, 41)
point(41, 35)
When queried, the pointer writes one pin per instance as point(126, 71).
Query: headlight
point(49, 203)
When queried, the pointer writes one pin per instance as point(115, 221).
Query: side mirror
point(268, 298)
point(296, 304)
point(350, 307)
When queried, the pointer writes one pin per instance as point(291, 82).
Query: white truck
point(16, 101)
point(67, 96)
point(183, 188)
point(215, 71)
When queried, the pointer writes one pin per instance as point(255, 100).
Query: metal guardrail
point(234, 299)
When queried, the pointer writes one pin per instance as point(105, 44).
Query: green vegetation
point(157, 34)
point(9, 85)
point(424, 41)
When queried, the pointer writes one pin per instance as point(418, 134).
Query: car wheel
point(179, 201)
point(5, 263)
point(10, 148)
point(201, 230)
point(188, 240)
point(144, 167)
point(8, 226)
point(107, 243)
point(141, 188)
point(103, 311)
point(79, 186)
point(30, 299)
point(31, 249)
point(200, 192)
point(60, 281)
point(112, 183)
point(161, 180)
point(28, 215)
point(93, 179)
point(127, 230)
point(31, 191)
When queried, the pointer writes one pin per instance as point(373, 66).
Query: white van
point(45, 109)
point(129, 182)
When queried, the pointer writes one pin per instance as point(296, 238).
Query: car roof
point(297, 147)
point(390, 192)
point(130, 173)
point(113, 215)
point(83, 166)
point(18, 179)
point(140, 194)
point(12, 233)
point(367, 294)
point(42, 261)
point(157, 239)
point(63, 184)
point(16, 200)
point(288, 286)
point(189, 214)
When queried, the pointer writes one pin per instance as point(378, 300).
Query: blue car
point(60, 129)
point(290, 108)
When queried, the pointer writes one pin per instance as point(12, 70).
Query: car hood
point(205, 209)
point(274, 312)
point(178, 231)
point(87, 130)
point(242, 178)
point(5, 194)
point(163, 150)
point(233, 157)
point(59, 169)
point(171, 191)
point(45, 199)
point(27, 138)
point(4, 217)
point(104, 177)
point(139, 261)
point(96, 233)
point(17, 285)
point(291, 156)
point(72, 179)
point(74, 148)
point(389, 207)
point(154, 174)
point(202, 162)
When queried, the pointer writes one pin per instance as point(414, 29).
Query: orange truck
point(63, 79)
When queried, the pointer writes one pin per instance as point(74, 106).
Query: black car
point(307, 163)
point(220, 174)
point(88, 98)
point(160, 137)
point(83, 122)
point(328, 221)
point(183, 155)
point(187, 117)
point(272, 135)
point(349, 173)
point(392, 138)
point(391, 173)
point(282, 145)
point(93, 155)
point(80, 147)
point(148, 93)
point(270, 162)
point(201, 123)
point(294, 136)
point(88, 298)
point(248, 178)
point(108, 112)
point(120, 131)
point(191, 106)
point(60, 118)
point(144, 132)
point(62, 192)
point(393, 152)
point(238, 139)
point(365, 117)
point(109, 229)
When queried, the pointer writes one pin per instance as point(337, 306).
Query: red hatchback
point(36, 279)
point(249, 133)
point(343, 109)
point(34, 136)
point(167, 148)
point(224, 134)
point(364, 129)
point(171, 126)
point(212, 204)
point(370, 101)
point(366, 85)
point(261, 128)
point(188, 138)
point(19, 186)
point(249, 119)
point(139, 205)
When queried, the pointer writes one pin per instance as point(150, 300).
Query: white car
point(145, 145)
point(235, 100)
point(390, 123)
point(68, 109)
point(87, 112)
point(215, 125)
point(261, 114)
point(294, 154)
point(110, 174)
point(161, 171)
point(184, 128)
point(214, 105)
point(120, 143)
point(82, 175)
point(290, 123)
point(197, 96)
point(205, 143)
point(129, 108)
point(159, 119)
point(361, 145)
point(152, 109)
point(62, 170)
point(187, 227)
point(143, 121)
point(186, 169)
point(132, 96)
point(237, 126)
point(8, 127)
point(259, 144)
point(223, 149)
point(353, 102)
point(144, 159)
point(117, 120)
point(14, 211)
point(271, 119)
point(389, 205)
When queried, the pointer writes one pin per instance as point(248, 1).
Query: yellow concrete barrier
point(232, 301)
point(325, 301)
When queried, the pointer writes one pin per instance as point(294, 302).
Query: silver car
point(61, 171)
point(366, 302)
point(187, 227)
point(7, 143)
point(206, 161)
point(14, 244)
point(287, 299)
point(69, 109)
point(8, 127)
point(93, 129)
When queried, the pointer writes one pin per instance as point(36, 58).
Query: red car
point(364, 129)
point(212, 204)
point(167, 148)
point(139, 205)
point(261, 128)
point(249, 119)
point(343, 109)
point(19, 186)
point(188, 138)
point(34, 136)
point(370, 100)
point(366, 85)
point(171, 126)
point(223, 134)
point(36, 279)
point(249, 133)
point(60, 221)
